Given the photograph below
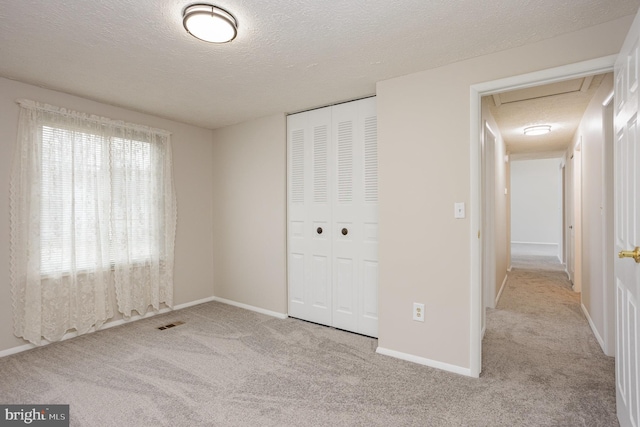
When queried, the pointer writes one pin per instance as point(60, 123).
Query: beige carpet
point(538, 335)
point(229, 367)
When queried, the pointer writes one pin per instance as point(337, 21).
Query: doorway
point(583, 69)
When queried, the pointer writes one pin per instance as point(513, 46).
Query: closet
point(332, 216)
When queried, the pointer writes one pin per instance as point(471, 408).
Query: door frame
point(608, 269)
point(576, 216)
point(488, 172)
point(562, 253)
point(477, 91)
point(568, 215)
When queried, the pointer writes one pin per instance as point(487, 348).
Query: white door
point(333, 216)
point(627, 229)
point(309, 215)
point(355, 215)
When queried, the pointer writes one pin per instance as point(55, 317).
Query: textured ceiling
point(289, 55)
point(560, 105)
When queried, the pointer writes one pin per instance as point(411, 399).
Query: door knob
point(345, 231)
point(635, 254)
point(319, 230)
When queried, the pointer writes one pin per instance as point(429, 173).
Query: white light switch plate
point(458, 210)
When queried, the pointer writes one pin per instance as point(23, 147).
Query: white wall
point(192, 154)
point(597, 290)
point(536, 210)
point(249, 214)
point(424, 168)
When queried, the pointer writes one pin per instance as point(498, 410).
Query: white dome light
point(537, 130)
point(210, 23)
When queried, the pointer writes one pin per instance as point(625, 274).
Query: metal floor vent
point(171, 325)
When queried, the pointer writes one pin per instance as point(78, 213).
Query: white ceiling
point(289, 55)
point(560, 105)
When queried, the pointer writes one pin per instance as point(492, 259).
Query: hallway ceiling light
point(537, 130)
point(209, 23)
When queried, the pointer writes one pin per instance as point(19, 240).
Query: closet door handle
point(319, 230)
point(345, 231)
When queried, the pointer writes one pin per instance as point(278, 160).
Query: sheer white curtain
point(92, 211)
point(143, 220)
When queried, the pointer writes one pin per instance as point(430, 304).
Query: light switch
point(458, 210)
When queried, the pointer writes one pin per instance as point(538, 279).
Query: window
point(135, 167)
point(92, 207)
point(73, 163)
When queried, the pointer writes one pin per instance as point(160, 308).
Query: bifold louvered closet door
point(333, 216)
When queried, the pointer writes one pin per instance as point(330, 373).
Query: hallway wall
point(597, 291)
point(536, 210)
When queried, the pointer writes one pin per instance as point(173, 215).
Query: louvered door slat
point(345, 162)
point(371, 159)
point(297, 166)
point(320, 165)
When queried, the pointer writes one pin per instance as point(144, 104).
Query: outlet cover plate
point(418, 312)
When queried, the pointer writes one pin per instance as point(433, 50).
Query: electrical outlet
point(418, 312)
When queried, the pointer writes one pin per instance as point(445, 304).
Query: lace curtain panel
point(93, 216)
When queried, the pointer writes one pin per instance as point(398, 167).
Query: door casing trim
point(477, 91)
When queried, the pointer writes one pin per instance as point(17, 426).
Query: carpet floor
point(230, 367)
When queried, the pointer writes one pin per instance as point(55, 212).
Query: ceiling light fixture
point(537, 130)
point(209, 23)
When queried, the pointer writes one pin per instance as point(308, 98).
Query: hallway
point(539, 336)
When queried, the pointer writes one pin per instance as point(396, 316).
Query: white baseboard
point(106, 325)
point(192, 303)
point(535, 244)
point(593, 328)
point(18, 349)
point(504, 282)
point(424, 361)
point(537, 248)
point(252, 308)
